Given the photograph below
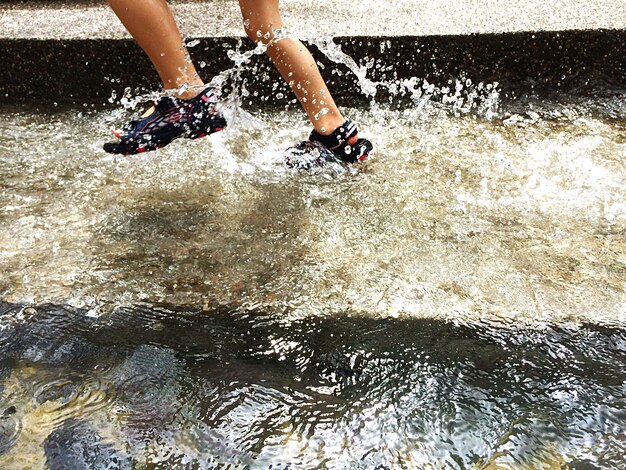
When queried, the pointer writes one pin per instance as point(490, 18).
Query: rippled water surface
point(152, 387)
point(458, 301)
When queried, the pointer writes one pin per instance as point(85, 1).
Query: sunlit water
point(457, 301)
point(454, 217)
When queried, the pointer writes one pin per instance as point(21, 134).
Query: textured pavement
point(220, 18)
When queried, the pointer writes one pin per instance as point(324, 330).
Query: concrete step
point(79, 52)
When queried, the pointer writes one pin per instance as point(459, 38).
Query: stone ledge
point(90, 70)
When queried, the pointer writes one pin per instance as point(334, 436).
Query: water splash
point(338, 317)
point(498, 191)
point(332, 51)
point(459, 96)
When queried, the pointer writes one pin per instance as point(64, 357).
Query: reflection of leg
point(294, 62)
point(152, 25)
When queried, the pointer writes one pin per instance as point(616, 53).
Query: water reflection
point(149, 385)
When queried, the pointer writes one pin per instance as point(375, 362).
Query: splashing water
point(333, 51)
point(461, 94)
point(457, 301)
point(497, 209)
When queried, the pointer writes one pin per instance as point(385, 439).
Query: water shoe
point(343, 145)
point(172, 118)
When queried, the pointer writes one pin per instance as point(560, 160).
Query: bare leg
point(294, 62)
point(152, 25)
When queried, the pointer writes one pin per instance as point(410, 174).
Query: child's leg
point(294, 62)
point(152, 25)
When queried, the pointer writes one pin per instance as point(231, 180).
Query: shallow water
point(152, 387)
point(458, 301)
point(456, 217)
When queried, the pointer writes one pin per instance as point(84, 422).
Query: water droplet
point(321, 113)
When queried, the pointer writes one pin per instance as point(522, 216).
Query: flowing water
point(457, 301)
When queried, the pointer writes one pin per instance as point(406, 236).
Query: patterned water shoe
point(172, 118)
point(343, 145)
